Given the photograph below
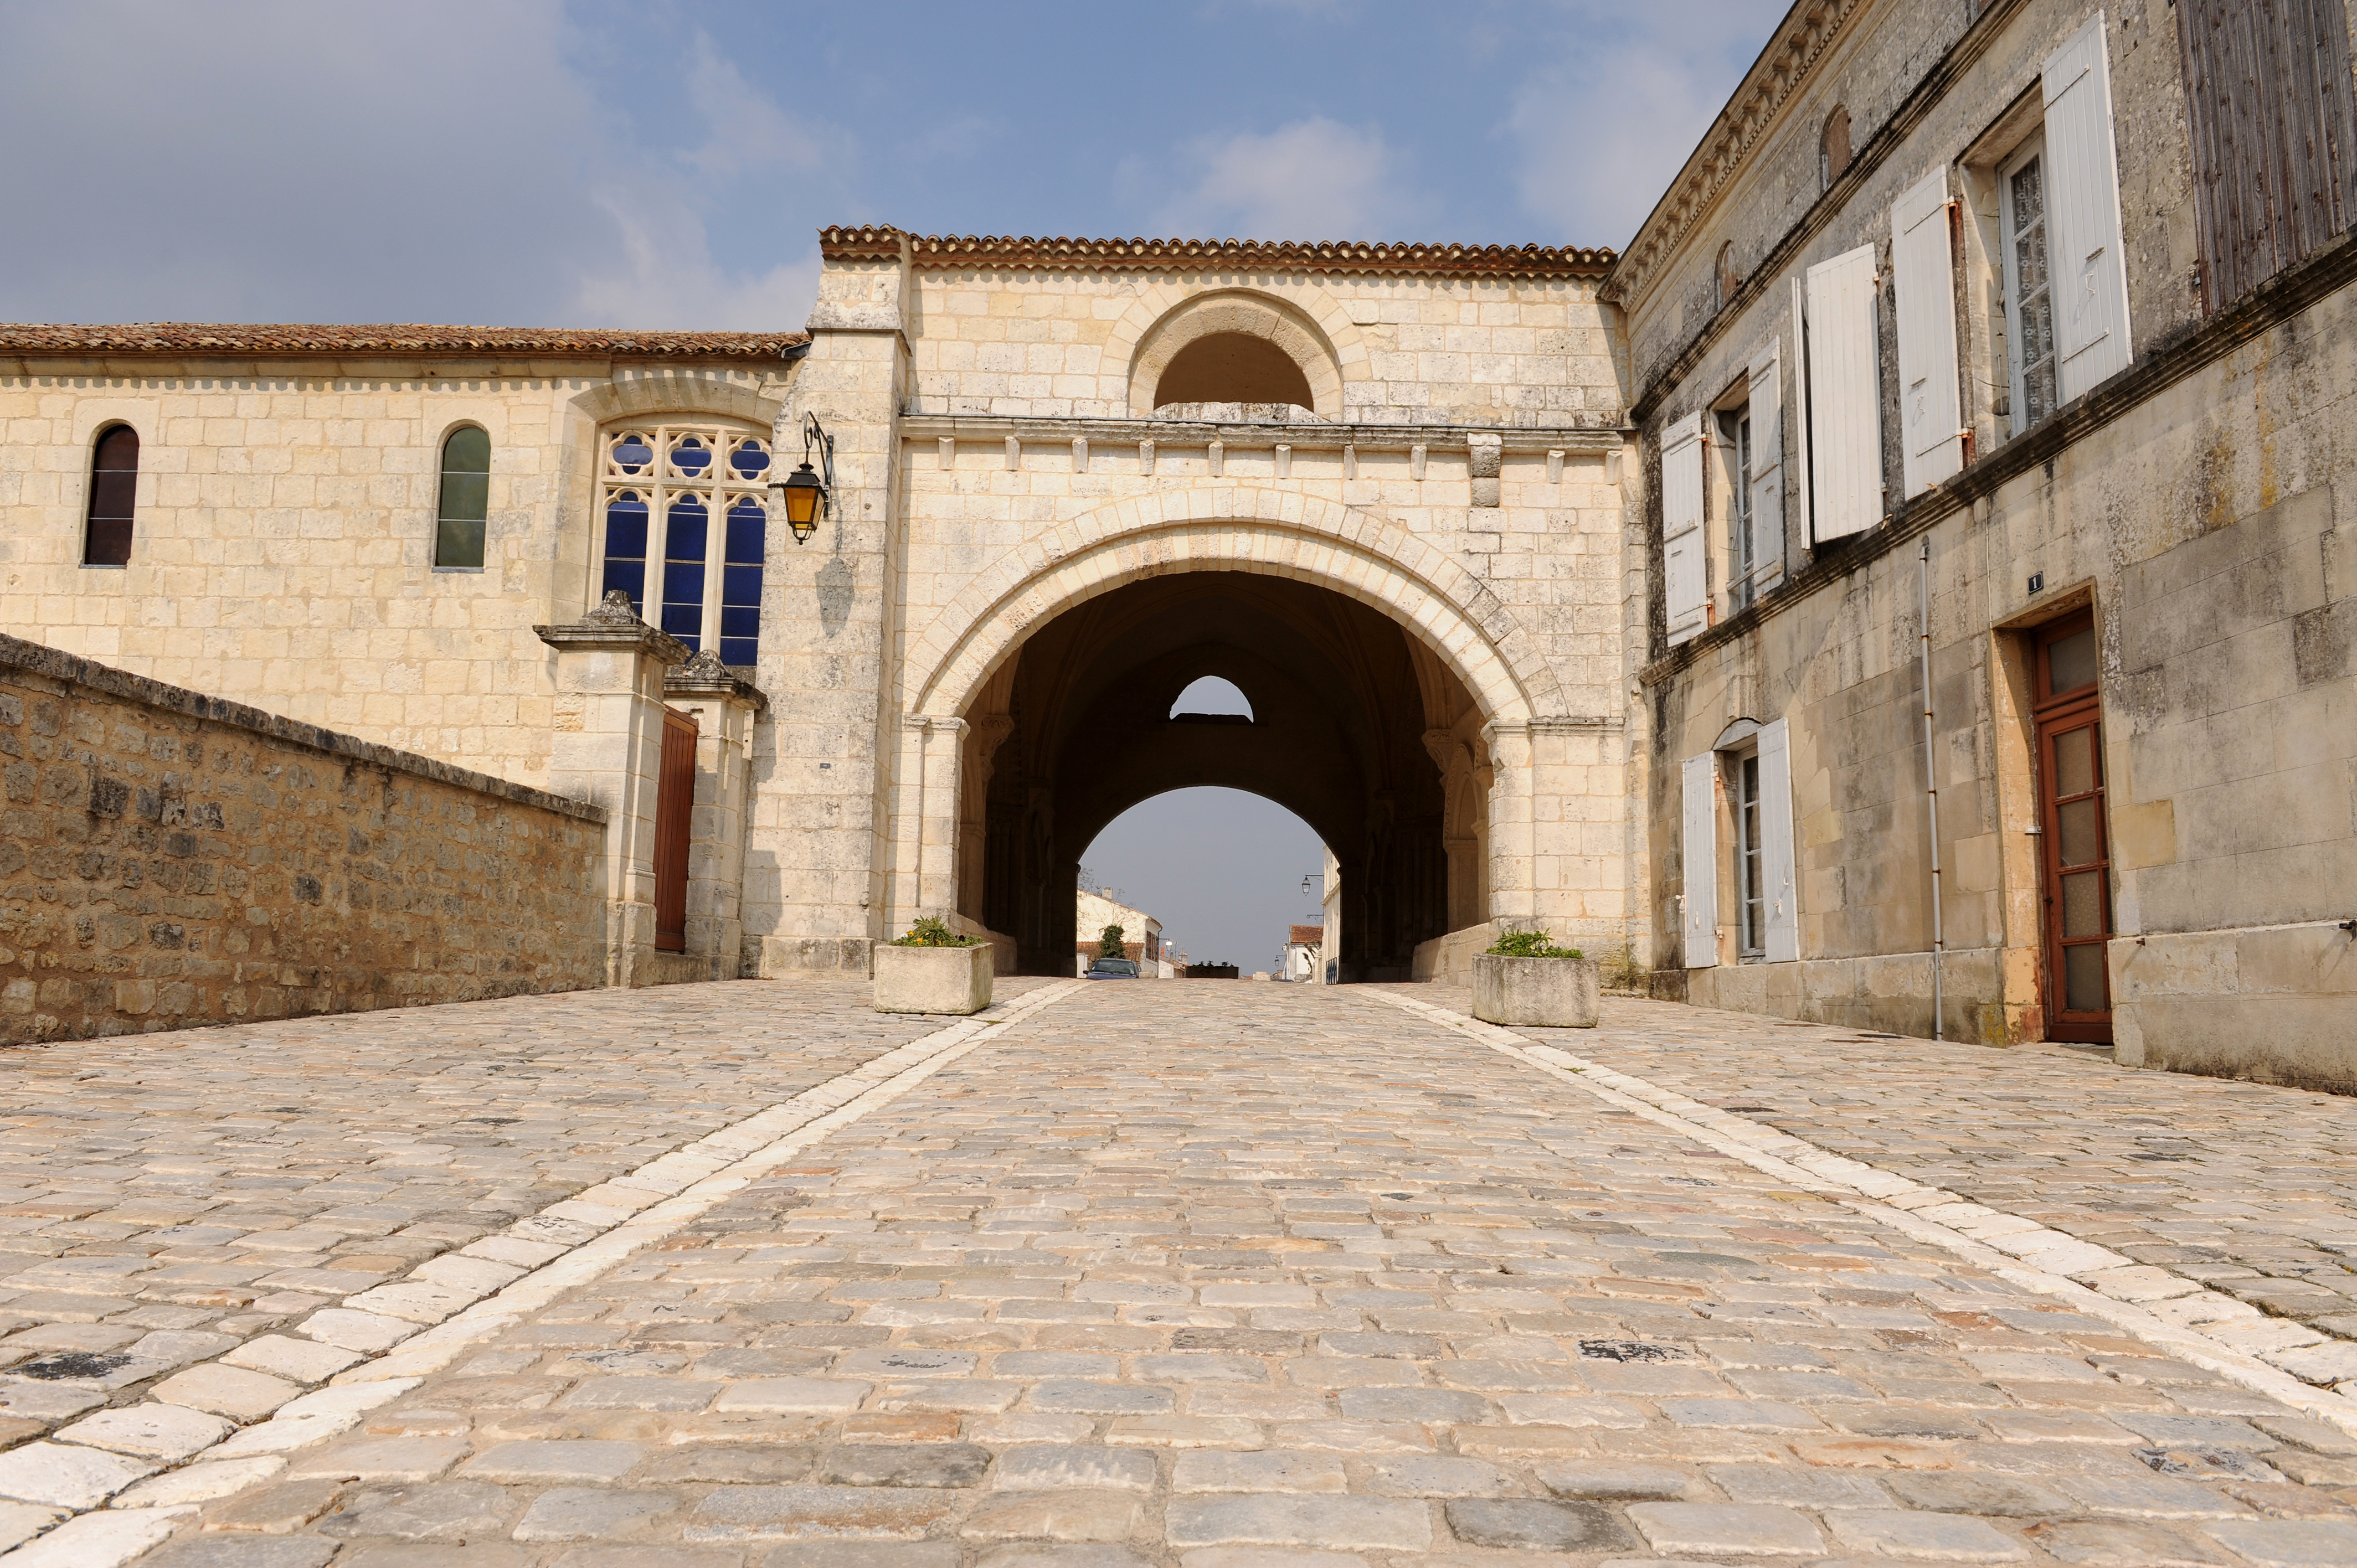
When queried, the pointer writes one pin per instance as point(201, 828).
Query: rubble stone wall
point(168, 859)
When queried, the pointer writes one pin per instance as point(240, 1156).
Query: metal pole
point(1931, 774)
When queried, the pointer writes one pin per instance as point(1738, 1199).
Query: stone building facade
point(1975, 309)
point(1567, 590)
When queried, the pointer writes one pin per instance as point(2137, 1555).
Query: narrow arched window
point(466, 499)
point(1833, 148)
point(114, 478)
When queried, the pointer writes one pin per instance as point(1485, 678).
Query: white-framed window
point(2028, 281)
point(1751, 899)
point(685, 521)
point(1735, 451)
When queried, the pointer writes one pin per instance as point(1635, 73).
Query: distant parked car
point(1111, 969)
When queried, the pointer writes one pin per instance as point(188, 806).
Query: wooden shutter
point(1685, 584)
point(2269, 102)
point(1701, 859)
point(675, 809)
point(1781, 897)
point(1802, 493)
point(1844, 402)
point(1767, 477)
point(1923, 265)
point(2083, 215)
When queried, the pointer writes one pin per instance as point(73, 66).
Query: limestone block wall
point(168, 859)
point(285, 512)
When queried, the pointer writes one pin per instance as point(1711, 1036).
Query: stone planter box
point(932, 980)
point(1535, 993)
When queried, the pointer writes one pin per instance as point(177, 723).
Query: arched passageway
point(1355, 726)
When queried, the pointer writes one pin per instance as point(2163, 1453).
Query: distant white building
point(1305, 954)
point(1141, 932)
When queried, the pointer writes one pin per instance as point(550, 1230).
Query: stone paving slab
point(2249, 1189)
point(167, 1200)
point(1229, 1277)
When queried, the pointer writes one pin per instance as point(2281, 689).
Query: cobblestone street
point(1225, 1276)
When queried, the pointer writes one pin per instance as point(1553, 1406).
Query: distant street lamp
point(804, 494)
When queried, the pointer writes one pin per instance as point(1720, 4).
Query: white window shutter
point(1701, 858)
point(1783, 943)
point(1798, 488)
point(1844, 402)
point(1686, 585)
point(1767, 477)
point(2083, 185)
point(1923, 273)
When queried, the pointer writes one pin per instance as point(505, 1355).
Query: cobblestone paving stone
point(2249, 1189)
point(1238, 1276)
point(165, 1199)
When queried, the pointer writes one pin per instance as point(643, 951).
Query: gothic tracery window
point(687, 518)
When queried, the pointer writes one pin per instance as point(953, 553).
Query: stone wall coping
point(207, 338)
point(706, 676)
point(39, 658)
point(611, 623)
point(1305, 437)
point(881, 243)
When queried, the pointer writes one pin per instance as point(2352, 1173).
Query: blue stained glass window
point(632, 453)
point(740, 582)
point(691, 456)
point(626, 547)
point(748, 459)
point(685, 544)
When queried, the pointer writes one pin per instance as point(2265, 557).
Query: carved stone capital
point(705, 676)
point(613, 624)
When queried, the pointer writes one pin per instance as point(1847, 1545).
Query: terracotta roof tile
point(199, 337)
point(1306, 936)
point(868, 244)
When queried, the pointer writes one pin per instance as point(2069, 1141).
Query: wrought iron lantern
point(805, 494)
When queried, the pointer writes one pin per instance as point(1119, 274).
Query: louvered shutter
point(1845, 408)
point(1782, 938)
point(1701, 858)
point(1685, 585)
point(1923, 276)
point(2090, 275)
point(1803, 494)
point(1767, 478)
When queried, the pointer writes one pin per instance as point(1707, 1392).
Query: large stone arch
point(1232, 526)
point(1304, 321)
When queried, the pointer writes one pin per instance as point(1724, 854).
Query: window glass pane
point(2082, 904)
point(740, 582)
point(750, 458)
point(114, 482)
point(458, 544)
point(468, 451)
point(688, 525)
point(2083, 833)
point(2071, 662)
point(2075, 762)
point(634, 452)
point(2083, 988)
point(466, 499)
point(691, 456)
point(466, 496)
point(626, 548)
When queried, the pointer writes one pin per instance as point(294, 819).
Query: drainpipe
point(1931, 773)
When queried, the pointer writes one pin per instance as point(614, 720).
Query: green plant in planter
point(930, 932)
point(1530, 944)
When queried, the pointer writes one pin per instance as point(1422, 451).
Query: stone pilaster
point(726, 708)
point(608, 750)
point(814, 881)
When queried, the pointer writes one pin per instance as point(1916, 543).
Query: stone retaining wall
point(168, 859)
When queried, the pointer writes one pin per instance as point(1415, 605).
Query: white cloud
point(1314, 179)
point(275, 160)
point(1602, 128)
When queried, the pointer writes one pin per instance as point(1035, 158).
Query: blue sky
point(528, 162)
point(535, 163)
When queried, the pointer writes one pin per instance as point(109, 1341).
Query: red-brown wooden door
point(2075, 839)
point(674, 806)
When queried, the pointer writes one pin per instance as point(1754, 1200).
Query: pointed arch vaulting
point(1236, 527)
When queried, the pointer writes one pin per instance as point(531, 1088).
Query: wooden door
point(2075, 834)
point(674, 806)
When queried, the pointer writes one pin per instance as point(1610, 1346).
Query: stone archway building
point(1006, 454)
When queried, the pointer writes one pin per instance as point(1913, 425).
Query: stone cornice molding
point(705, 676)
point(612, 625)
point(1320, 436)
point(936, 251)
point(1786, 63)
point(198, 339)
